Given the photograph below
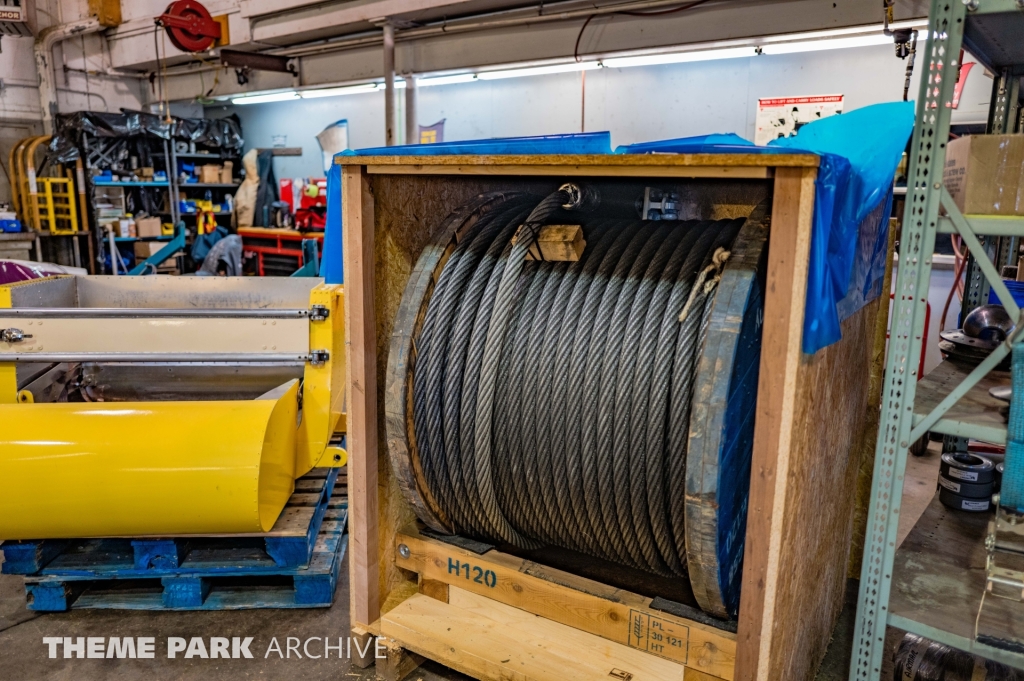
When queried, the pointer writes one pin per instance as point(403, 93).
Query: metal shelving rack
point(935, 600)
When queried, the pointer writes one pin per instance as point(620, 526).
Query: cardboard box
point(226, 172)
point(148, 226)
point(984, 174)
point(209, 173)
point(145, 249)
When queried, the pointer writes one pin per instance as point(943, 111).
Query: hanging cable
point(630, 13)
point(959, 264)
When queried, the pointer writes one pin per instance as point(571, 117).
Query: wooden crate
point(528, 621)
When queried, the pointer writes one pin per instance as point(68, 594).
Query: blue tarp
point(579, 143)
point(332, 268)
point(859, 153)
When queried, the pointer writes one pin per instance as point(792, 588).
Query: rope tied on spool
point(708, 285)
point(550, 400)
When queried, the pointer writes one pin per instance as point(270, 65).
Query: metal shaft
point(389, 84)
point(412, 131)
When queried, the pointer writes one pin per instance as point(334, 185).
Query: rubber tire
point(984, 470)
point(959, 503)
point(969, 490)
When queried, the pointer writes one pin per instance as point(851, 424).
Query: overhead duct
point(44, 54)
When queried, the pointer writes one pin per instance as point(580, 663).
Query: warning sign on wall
point(783, 116)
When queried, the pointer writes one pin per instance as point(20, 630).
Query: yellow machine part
point(323, 385)
point(8, 371)
point(169, 468)
point(146, 468)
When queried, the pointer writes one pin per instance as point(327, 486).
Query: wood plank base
point(560, 613)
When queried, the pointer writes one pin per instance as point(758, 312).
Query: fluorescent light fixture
point(810, 41)
point(790, 43)
point(446, 80)
point(264, 99)
point(841, 32)
point(828, 44)
point(571, 67)
point(679, 57)
point(338, 91)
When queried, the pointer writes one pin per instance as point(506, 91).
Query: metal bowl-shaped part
point(968, 343)
point(1001, 392)
point(988, 322)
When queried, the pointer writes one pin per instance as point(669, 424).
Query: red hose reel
point(190, 26)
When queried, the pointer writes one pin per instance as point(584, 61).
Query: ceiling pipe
point(43, 49)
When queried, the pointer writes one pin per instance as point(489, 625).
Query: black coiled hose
point(551, 400)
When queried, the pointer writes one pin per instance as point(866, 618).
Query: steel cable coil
point(549, 403)
point(551, 399)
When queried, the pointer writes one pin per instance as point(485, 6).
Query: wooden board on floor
point(582, 604)
point(489, 640)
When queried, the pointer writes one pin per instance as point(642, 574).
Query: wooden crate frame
point(810, 416)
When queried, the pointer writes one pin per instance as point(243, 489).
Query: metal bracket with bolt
point(13, 335)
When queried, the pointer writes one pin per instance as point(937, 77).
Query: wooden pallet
point(289, 543)
point(208, 573)
point(471, 607)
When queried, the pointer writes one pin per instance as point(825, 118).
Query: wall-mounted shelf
point(977, 415)
point(212, 157)
point(988, 225)
point(207, 185)
point(102, 183)
point(938, 579)
point(130, 239)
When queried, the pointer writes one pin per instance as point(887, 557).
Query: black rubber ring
point(964, 467)
point(970, 490)
point(960, 503)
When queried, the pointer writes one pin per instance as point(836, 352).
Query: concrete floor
point(24, 657)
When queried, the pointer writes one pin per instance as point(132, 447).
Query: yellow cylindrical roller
point(146, 468)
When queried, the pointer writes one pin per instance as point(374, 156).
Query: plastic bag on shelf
point(919, 659)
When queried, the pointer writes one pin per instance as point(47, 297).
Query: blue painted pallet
point(288, 544)
point(239, 589)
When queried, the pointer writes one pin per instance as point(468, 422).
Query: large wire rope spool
point(603, 405)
